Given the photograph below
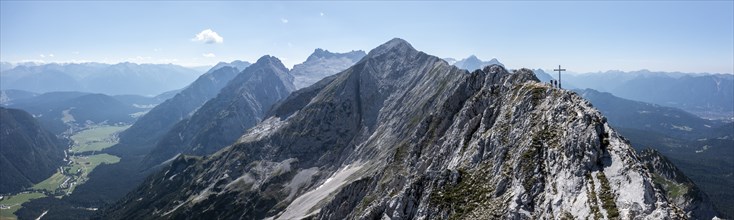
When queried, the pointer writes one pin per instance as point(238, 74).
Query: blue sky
point(582, 36)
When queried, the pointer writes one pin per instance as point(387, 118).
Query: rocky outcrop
point(679, 190)
point(404, 135)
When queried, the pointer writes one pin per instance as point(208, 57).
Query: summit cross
point(559, 75)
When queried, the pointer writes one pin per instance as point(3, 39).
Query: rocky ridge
point(220, 121)
point(151, 126)
point(678, 188)
point(404, 135)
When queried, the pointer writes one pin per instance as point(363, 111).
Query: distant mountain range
point(9, 96)
point(652, 117)
point(6, 66)
point(28, 153)
point(61, 111)
point(706, 95)
point(322, 63)
point(472, 63)
point(110, 79)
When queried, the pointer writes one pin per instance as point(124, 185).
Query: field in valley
point(71, 175)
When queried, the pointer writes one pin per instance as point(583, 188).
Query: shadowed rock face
point(404, 135)
point(28, 153)
point(149, 128)
point(220, 121)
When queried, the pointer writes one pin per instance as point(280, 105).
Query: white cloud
point(75, 52)
point(208, 36)
point(209, 55)
point(322, 14)
point(285, 21)
point(42, 56)
point(51, 55)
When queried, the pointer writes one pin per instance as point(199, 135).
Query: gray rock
point(403, 135)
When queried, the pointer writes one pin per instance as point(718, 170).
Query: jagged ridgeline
point(403, 134)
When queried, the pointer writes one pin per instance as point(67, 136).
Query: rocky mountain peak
point(473, 58)
point(270, 60)
point(396, 45)
point(237, 64)
point(319, 53)
point(403, 135)
point(473, 62)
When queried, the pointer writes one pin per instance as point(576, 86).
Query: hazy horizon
point(676, 36)
point(547, 70)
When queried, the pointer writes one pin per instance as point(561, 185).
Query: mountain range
point(238, 106)
point(208, 115)
point(68, 112)
point(322, 63)
point(149, 128)
point(394, 133)
point(110, 79)
point(706, 95)
point(403, 134)
point(472, 63)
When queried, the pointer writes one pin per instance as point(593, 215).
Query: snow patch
point(149, 106)
point(682, 128)
point(261, 130)
point(705, 147)
point(299, 180)
point(300, 207)
point(169, 161)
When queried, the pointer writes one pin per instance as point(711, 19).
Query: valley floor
point(82, 158)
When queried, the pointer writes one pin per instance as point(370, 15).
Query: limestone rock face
point(680, 190)
point(404, 135)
